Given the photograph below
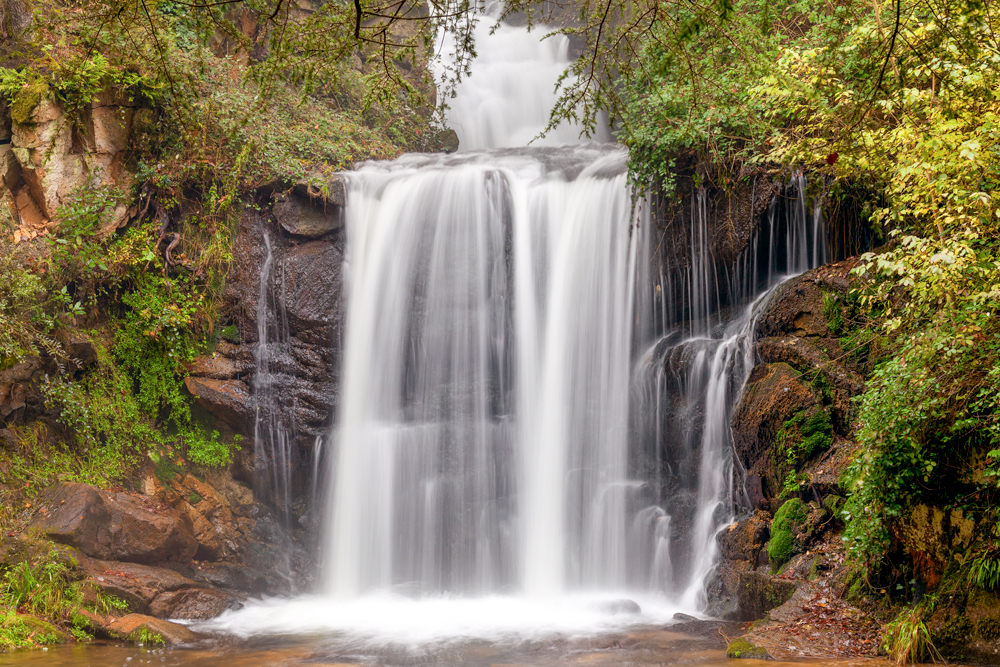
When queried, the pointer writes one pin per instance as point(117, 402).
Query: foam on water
point(385, 620)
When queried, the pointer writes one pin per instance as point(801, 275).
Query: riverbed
point(701, 646)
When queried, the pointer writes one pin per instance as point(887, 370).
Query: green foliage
point(789, 517)
point(799, 439)
point(984, 570)
point(907, 639)
point(208, 450)
point(144, 636)
point(46, 588)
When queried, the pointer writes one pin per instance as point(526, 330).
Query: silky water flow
point(512, 453)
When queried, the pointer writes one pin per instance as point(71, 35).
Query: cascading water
point(525, 416)
point(484, 414)
point(686, 383)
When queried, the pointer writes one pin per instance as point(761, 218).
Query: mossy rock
point(988, 628)
point(39, 631)
point(742, 649)
point(833, 504)
point(789, 517)
point(757, 594)
point(26, 100)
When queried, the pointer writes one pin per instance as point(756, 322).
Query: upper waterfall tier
point(506, 99)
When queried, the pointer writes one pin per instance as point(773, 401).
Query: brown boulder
point(116, 526)
point(138, 585)
point(744, 540)
point(773, 394)
point(140, 629)
point(311, 217)
point(192, 604)
point(229, 400)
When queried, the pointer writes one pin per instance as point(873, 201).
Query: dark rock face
point(116, 526)
point(303, 321)
point(193, 604)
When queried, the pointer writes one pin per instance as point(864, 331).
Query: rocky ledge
point(187, 549)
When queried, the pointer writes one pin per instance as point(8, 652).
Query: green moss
point(833, 505)
point(194, 498)
point(988, 627)
point(26, 100)
point(741, 648)
point(833, 313)
point(230, 333)
point(789, 516)
point(956, 631)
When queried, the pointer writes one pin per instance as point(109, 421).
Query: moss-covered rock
point(26, 100)
point(790, 516)
point(758, 594)
point(741, 648)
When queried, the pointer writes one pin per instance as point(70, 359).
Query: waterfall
point(686, 382)
point(483, 426)
point(535, 398)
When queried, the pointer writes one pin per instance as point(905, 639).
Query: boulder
point(772, 395)
point(116, 526)
point(193, 604)
point(220, 533)
point(744, 539)
point(141, 629)
point(759, 593)
point(229, 400)
point(138, 585)
point(312, 217)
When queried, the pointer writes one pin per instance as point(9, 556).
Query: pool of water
point(640, 647)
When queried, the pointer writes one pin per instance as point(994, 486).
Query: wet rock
point(744, 539)
point(229, 400)
point(193, 604)
point(774, 393)
point(759, 593)
point(684, 618)
point(115, 526)
point(313, 289)
point(136, 584)
point(448, 140)
point(796, 309)
point(218, 367)
point(312, 217)
point(141, 629)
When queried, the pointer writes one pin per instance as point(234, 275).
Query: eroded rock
point(116, 526)
point(141, 629)
point(193, 604)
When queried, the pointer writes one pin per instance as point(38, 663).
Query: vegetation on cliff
point(898, 101)
point(214, 104)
